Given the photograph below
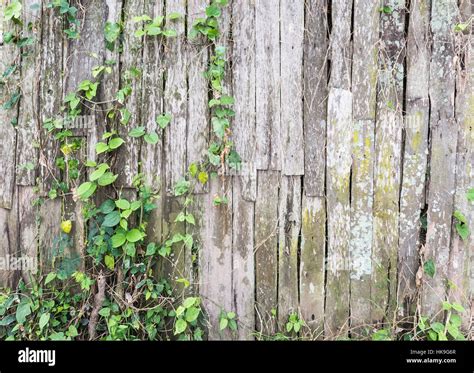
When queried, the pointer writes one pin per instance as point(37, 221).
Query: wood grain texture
point(28, 119)
point(197, 60)
point(361, 220)
point(266, 250)
point(315, 96)
point(338, 168)
point(151, 156)
point(267, 86)
point(312, 262)
point(461, 269)
point(131, 58)
point(175, 97)
point(289, 220)
point(9, 59)
point(415, 156)
point(215, 257)
point(443, 154)
point(243, 262)
point(291, 70)
point(388, 147)
point(243, 80)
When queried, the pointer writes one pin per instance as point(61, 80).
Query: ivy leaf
point(460, 217)
point(203, 177)
point(429, 268)
point(192, 314)
point(180, 326)
point(111, 31)
point(107, 179)
point(86, 190)
point(223, 323)
point(122, 204)
point(137, 132)
point(44, 319)
point(99, 172)
point(181, 187)
point(13, 10)
point(458, 307)
point(118, 240)
point(109, 262)
point(107, 207)
point(151, 138)
point(101, 147)
point(111, 219)
point(115, 143)
point(50, 277)
point(213, 11)
point(163, 120)
point(134, 235)
point(470, 195)
point(463, 231)
point(22, 312)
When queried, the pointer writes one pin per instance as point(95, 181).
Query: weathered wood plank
point(364, 89)
point(243, 263)
point(289, 218)
point(312, 262)
point(362, 203)
point(9, 241)
point(415, 152)
point(197, 55)
point(243, 68)
point(175, 96)
point(131, 59)
point(151, 156)
point(388, 147)
point(443, 154)
point(338, 170)
point(266, 250)
point(50, 91)
point(215, 256)
point(9, 59)
point(267, 84)
point(315, 96)
point(27, 226)
point(291, 93)
point(28, 120)
point(340, 44)
point(462, 251)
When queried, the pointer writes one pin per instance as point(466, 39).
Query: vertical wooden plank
point(198, 96)
point(245, 182)
point(291, 93)
point(340, 44)
point(312, 261)
point(215, 257)
point(338, 211)
point(151, 156)
point(243, 68)
point(131, 59)
point(28, 121)
point(9, 59)
point(175, 97)
point(388, 147)
point(361, 225)
point(50, 91)
point(364, 89)
point(462, 251)
point(289, 217)
point(266, 250)
point(338, 167)
point(415, 152)
point(50, 100)
point(9, 241)
point(27, 226)
point(443, 154)
point(243, 263)
point(315, 95)
point(267, 85)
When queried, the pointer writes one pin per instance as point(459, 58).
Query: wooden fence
point(355, 124)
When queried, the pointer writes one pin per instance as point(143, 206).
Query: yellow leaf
point(66, 226)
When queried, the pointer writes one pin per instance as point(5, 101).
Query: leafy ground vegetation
point(120, 293)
